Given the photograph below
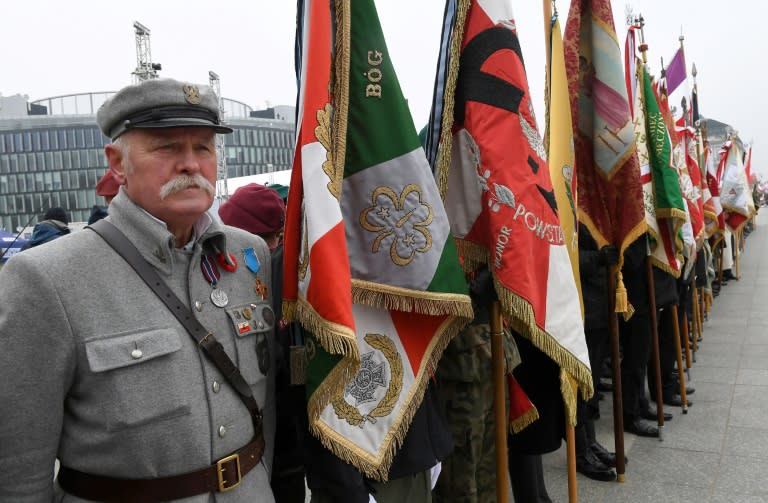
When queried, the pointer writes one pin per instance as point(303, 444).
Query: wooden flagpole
point(570, 433)
point(499, 403)
point(680, 373)
point(656, 354)
point(618, 407)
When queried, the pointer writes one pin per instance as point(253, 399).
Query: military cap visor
point(160, 103)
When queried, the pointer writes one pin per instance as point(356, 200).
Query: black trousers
point(667, 357)
point(635, 338)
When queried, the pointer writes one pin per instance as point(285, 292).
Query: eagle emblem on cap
point(191, 94)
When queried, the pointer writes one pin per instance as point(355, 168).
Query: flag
point(713, 182)
point(692, 193)
point(661, 229)
point(708, 201)
point(402, 285)
point(610, 200)
point(679, 163)
point(499, 194)
point(735, 196)
point(675, 72)
point(748, 167)
point(317, 284)
point(559, 141)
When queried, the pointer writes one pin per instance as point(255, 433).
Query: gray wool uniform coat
point(74, 387)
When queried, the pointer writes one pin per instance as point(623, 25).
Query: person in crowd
point(107, 188)
point(635, 336)
point(592, 459)
point(466, 386)
point(257, 209)
point(55, 223)
point(260, 210)
point(137, 403)
point(665, 289)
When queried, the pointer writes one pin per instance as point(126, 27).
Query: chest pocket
point(253, 325)
point(141, 376)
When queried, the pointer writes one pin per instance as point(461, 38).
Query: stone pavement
point(718, 452)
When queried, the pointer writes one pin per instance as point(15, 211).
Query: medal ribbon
point(251, 260)
point(210, 271)
point(226, 260)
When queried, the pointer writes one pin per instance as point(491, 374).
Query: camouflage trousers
point(469, 474)
point(466, 386)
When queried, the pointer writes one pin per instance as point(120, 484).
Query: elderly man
point(137, 402)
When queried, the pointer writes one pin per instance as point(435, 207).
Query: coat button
point(198, 305)
point(216, 386)
point(222, 431)
point(136, 354)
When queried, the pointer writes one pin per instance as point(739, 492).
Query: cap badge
point(191, 94)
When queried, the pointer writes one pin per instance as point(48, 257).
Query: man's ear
point(115, 162)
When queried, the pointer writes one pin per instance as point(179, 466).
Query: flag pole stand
point(680, 373)
point(655, 352)
point(499, 401)
point(618, 408)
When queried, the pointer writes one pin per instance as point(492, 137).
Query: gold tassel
point(621, 294)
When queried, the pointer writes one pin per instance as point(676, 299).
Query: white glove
point(371, 499)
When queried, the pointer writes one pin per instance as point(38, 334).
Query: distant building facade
point(52, 152)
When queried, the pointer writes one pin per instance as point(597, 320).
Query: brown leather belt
point(222, 476)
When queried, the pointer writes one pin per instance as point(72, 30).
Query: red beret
point(254, 208)
point(107, 185)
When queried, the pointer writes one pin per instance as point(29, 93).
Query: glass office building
point(54, 155)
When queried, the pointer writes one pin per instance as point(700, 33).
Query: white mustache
point(183, 182)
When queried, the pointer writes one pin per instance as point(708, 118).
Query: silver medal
point(219, 297)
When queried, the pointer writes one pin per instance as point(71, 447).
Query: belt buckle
point(220, 469)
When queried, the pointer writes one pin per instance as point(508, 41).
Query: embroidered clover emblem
point(400, 220)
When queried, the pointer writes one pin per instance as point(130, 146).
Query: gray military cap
point(160, 103)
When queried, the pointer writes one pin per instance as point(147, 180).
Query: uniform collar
point(151, 237)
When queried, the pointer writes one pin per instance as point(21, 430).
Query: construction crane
point(145, 68)
point(221, 160)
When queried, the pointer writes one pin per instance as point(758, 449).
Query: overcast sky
point(53, 47)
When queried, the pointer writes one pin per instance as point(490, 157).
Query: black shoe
point(689, 390)
point(604, 455)
point(728, 275)
point(650, 415)
point(641, 428)
point(676, 401)
point(604, 385)
point(590, 466)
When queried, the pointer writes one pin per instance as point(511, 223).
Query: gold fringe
point(671, 213)
point(568, 389)
point(524, 421)
point(472, 254)
point(341, 88)
point(656, 262)
point(377, 467)
point(372, 294)
point(443, 163)
point(289, 310)
point(336, 339)
point(521, 316)
point(332, 386)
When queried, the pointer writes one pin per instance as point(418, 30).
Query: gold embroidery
point(323, 134)
point(374, 375)
point(391, 215)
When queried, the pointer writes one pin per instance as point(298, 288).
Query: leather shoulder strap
point(204, 339)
